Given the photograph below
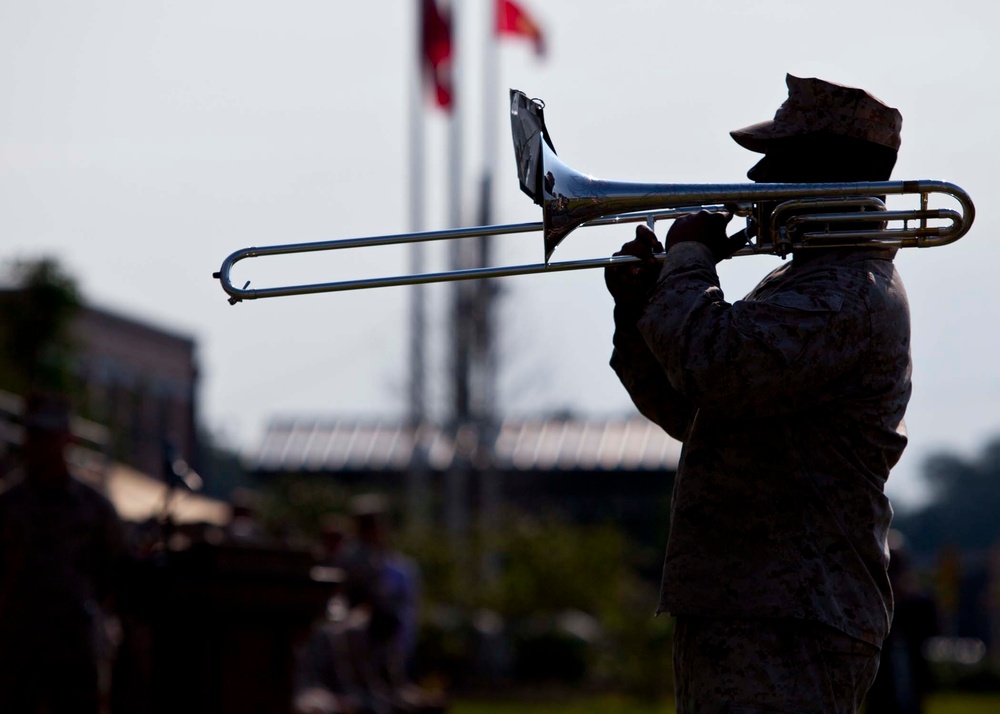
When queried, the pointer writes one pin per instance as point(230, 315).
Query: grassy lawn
point(964, 704)
point(595, 705)
point(938, 704)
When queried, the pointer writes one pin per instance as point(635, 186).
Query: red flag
point(437, 51)
point(513, 20)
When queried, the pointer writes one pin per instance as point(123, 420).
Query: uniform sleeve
point(752, 358)
point(646, 382)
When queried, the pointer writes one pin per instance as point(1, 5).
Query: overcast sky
point(142, 142)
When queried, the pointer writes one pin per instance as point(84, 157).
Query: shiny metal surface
point(306, 444)
point(570, 199)
point(247, 293)
point(799, 216)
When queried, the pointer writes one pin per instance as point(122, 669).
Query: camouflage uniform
point(790, 406)
point(57, 553)
point(60, 545)
point(748, 666)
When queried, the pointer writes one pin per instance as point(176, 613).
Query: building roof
point(313, 444)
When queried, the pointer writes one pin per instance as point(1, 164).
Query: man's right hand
point(631, 284)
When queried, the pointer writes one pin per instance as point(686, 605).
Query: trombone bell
point(570, 199)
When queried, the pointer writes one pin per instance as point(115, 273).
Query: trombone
point(804, 215)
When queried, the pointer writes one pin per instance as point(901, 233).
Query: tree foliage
point(38, 348)
point(535, 576)
point(964, 505)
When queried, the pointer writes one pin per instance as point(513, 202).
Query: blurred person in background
point(356, 660)
point(383, 590)
point(789, 404)
point(904, 675)
point(61, 547)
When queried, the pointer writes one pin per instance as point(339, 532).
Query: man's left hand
point(707, 228)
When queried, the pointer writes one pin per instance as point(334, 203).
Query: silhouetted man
point(790, 407)
point(60, 543)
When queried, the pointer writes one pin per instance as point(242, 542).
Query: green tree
point(535, 576)
point(546, 569)
point(38, 349)
point(292, 508)
point(964, 504)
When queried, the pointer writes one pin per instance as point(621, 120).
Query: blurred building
point(141, 382)
point(138, 387)
point(137, 380)
point(582, 470)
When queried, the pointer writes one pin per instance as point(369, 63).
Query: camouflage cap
point(814, 105)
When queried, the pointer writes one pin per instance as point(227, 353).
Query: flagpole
point(455, 120)
point(485, 377)
point(503, 17)
point(457, 249)
point(456, 479)
point(417, 476)
point(417, 406)
point(486, 293)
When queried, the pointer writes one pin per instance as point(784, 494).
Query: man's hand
point(631, 284)
point(708, 228)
